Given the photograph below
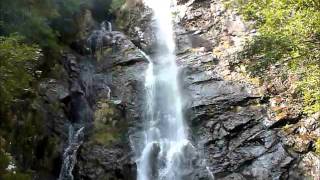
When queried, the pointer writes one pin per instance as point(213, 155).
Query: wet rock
point(139, 28)
point(271, 165)
point(234, 176)
point(116, 88)
point(54, 90)
point(234, 133)
point(53, 95)
point(110, 164)
point(101, 90)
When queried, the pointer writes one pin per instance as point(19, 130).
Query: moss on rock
point(108, 123)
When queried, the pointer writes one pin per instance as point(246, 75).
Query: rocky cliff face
point(101, 87)
point(228, 113)
point(118, 107)
point(228, 117)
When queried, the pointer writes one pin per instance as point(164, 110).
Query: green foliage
point(16, 176)
point(18, 62)
point(318, 146)
point(48, 23)
point(29, 18)
point(116, 5)
point(108, 127)
point(4, 161)
point(105, 137)
point(310, 86)
point(32, 34)
point(21, 123)
point(266, 50)
point(25, 137)
point(65, 23)
point(289, 34)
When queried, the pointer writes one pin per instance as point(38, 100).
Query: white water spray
point(75, 140)
point(165, 138)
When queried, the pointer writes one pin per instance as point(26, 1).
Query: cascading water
point(165, 136)
point(75, 140)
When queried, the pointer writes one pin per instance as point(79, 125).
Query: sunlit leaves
point(310, 87)
point(289, 33)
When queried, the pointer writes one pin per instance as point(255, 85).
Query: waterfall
point(165, 143)
point(75, 139)
point(104, 26)
point(109, 26)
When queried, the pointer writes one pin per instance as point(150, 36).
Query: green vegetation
point(43, 22)
point(17, 67)
point(32, 35)
point(18, 62)
point(318, 146)
point(17, 176)
point(116, 5)
point(289, 37)
point(4, 160)
point(106, 130)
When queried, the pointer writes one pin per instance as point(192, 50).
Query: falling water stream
point(163, 154)
point(75, 140)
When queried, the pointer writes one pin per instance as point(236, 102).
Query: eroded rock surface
point(100, 89)
point(229, 117)
point(119, 82)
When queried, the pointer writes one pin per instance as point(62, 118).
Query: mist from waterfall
point(165, 138)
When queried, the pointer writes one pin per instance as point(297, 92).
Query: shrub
point(289, 35)
point(18, 62)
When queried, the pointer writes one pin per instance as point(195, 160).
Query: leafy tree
point(49, 23)
point(30, 19)
point(289, 33)
point(31, 30)
point(18, 62)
